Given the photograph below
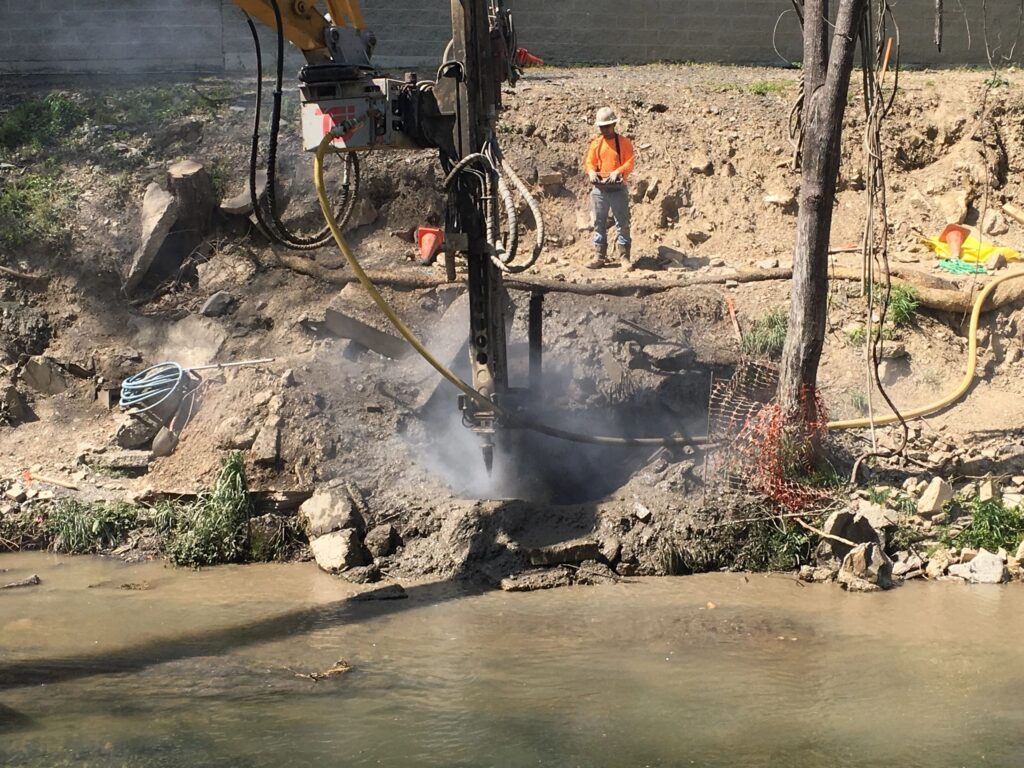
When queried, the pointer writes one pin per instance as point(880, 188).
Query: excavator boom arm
point(302, 23)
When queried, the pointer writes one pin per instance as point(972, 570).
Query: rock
point(984, 568)
point(339, 551)
point(768, 264)
point(994, 223)
point(877, 516)
point(908, 565)
point(551, 179)
point(849, 525)
point(953, 206)
point(266, 448)
point(363, 214)
point(667, 357)
point(44, 375)
point(696, 237)
point(364, 574)
point(241, 204)
point(134, 433)
point(784, 200)
point(13, 404)
point(934, 498)
point(818, 575)
point(530, 581)
point(347, 327)
point(329, 511)
point(165, 442)
point(701, 165)
point(995, 261)
point(592, 573)
point(611, 548)
point(894, 350)
point(626, 569)
point(574, 551)
point(288, 378)
point(130, 462)
point(643, 514)
point(1013, 500)
point(865, 568)
point(390, 592)
point(988, 490)
point(16, 493)
point(381, 540)
point(159, 212)
point(217, 304)
point(938, 563)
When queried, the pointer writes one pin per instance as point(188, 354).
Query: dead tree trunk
point(826, 81)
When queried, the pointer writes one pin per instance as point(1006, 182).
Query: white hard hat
point(606, 116)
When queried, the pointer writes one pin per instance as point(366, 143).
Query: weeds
point(993, 525)
point(220, 178)
point(997, 80)
point(767, 336)
point(33, 207)
point(79, 527)
point(764, 87)
point(774, 545)
point(39, 123)
point(213, 529)
point(857, 335)
point(903, 304)
point(858, 401)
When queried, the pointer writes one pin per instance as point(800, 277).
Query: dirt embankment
point(713, 196)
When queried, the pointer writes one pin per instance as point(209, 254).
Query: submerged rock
point(865, 569)
point(339, 551)
point(984, 568)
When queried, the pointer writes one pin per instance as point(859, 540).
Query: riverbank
point(636, 354)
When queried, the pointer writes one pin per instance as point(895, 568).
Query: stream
point(107, 664)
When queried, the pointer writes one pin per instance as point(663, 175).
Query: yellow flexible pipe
point(409, 336)
point(962, 387)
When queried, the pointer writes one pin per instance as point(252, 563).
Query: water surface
point(111, 665)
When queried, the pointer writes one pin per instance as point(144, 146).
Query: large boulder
point(339, 551)
point(935, 497)
point(329, 511)
point(866, 568)
point(984, 568)
point(382, 540)
point(44, 375)
point(849, 525)
point(159, 212)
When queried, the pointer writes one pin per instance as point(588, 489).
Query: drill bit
point(488, 450)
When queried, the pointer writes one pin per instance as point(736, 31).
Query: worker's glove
point(594, 178)
point(614, 177)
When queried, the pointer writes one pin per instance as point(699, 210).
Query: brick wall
point(210, 36)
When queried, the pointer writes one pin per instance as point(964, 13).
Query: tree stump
point(192, 188)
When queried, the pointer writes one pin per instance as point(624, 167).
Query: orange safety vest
point(607, 155)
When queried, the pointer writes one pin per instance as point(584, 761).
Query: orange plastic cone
point(526, 59)
point(429, 241)
point(954, 235)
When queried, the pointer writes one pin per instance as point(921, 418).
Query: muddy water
point(109, 665)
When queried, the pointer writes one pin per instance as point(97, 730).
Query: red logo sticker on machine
point(336, 115)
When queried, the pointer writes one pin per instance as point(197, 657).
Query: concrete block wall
point(210, 36)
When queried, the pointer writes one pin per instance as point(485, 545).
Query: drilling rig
point(456, 114)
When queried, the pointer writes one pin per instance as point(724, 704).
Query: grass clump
point(857, 335)
point(766, 336)
point(213, 529)
point(79, 527)
point(993, 525)
point(774, 545)
point(34, 207)
point(903, 304)
point(39, 123)
point(764, 87)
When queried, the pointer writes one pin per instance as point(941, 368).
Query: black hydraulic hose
point(275, 227)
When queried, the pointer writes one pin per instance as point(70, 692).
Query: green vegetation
point(34, 207)
point(774, 545)
point(764, 87)
point(997, 80)
point(80, 527)
point(767, 336)
point(903, 304)
point(220, 177)
point(993, 525)
point(154, 104)
point(858, 401)
point(213, 529)
point(856, 335)
point(38, 123)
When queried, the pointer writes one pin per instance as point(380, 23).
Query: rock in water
point(984, 568)
point(329, 511)
point(866, 569)
point(339, 551)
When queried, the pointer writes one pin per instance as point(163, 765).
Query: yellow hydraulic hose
point(965, 382)
point(409, 336)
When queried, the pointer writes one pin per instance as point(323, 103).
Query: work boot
point(600, 257)
point(625, 258)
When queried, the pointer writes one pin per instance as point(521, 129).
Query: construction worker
point(609, 162)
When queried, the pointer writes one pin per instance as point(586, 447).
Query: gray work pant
point(616, 200)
